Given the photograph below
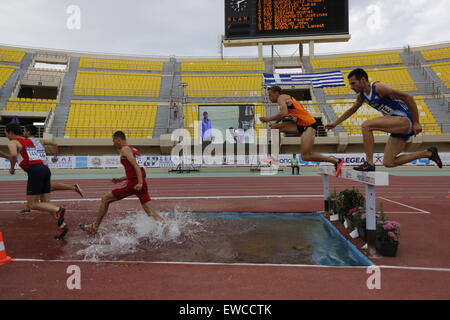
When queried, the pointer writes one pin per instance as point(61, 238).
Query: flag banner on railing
point(317, 80)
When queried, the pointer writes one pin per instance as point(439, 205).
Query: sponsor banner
point(63, 162)
point(95, 162)
point(151, 161)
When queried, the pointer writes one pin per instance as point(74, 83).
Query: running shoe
point(435, 156)
point(78, 190)
point(89, 228)
point(61, 232)
point(23, 211)
point(338, 166)
point(366, 167)
point(60, 216)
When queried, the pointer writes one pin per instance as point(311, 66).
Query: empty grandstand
point(93, 95)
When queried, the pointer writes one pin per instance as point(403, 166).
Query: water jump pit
point(254, 238)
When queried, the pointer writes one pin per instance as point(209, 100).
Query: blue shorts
point(405, 137)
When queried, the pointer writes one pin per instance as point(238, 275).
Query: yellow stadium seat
point(100, 119)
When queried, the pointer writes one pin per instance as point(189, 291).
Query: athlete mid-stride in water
point(304, 124)
point(136, 185)
point(400, 119)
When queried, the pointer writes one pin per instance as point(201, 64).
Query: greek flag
point(317, 80)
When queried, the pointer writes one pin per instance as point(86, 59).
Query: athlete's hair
point(31, 129)
point(359, 74)
point(275, 89)
point(14, 128)
point(119, 135)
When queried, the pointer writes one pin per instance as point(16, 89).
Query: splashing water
point(136, 232)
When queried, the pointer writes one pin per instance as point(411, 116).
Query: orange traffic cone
point(4, 259)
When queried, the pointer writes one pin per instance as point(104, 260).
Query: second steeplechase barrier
point(370, 181)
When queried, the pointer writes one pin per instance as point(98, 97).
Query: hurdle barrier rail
point(370, 181)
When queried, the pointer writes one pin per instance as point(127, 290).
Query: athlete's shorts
point(302, 129)
point(128, 190)
point(407, 115)
point(39, 180)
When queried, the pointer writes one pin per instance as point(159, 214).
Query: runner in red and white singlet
point(24, 151)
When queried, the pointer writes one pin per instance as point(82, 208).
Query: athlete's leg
point(395, 146)
point(306, 147)
point(286, 127)
point(390, 124)
point(33, 203)
point(151, 212)
point(107, 199)
point(63, 186)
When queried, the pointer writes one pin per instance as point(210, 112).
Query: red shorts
point(128, 190)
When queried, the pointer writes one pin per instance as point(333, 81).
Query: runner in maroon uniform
point(136, 185)
point(23, 150)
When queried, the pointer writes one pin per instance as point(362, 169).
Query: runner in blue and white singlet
point(389, 107)
point(400, 119)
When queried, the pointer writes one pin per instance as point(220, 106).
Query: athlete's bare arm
point(283, 101)
point(118, 180)
point(384, 90)
point(347, 114)
point(14, 147)
point(127, 153)
point(54, 148)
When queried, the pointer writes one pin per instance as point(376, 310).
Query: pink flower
point(352, 211)
point(363, 216)
point(393, 235)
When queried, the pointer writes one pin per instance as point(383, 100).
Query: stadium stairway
point(162, 120)
point(8, 88)
point(66, 96)
point(439, 112)
point(325, 108)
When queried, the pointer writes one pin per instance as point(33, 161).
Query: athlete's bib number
point(33, 154)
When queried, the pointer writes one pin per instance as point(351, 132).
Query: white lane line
point(239, 264)
point(404, 205)
point(184, 198)
point(193, 263)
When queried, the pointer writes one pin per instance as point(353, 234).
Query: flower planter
point(362, 233)
point(387, 249)
point(341, 217)
point(349, 223)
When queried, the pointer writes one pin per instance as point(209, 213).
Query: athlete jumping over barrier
point(400, 119)
point(305, 125)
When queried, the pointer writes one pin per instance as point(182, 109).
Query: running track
point(420, 271)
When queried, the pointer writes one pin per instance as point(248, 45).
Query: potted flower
point(331, 204)
point(359, 221)
point(348, 201)
point(388, 235)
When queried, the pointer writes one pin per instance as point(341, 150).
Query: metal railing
point(427, 129)
point(39, 134)
point(103, 132)
point(116, 92)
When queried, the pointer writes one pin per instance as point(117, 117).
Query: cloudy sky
point(193, 27)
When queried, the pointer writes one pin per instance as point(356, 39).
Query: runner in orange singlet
point(305, 125)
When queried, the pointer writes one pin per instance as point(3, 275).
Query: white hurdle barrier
point(370, 180)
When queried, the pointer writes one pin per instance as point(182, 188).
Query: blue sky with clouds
point(193, 27)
